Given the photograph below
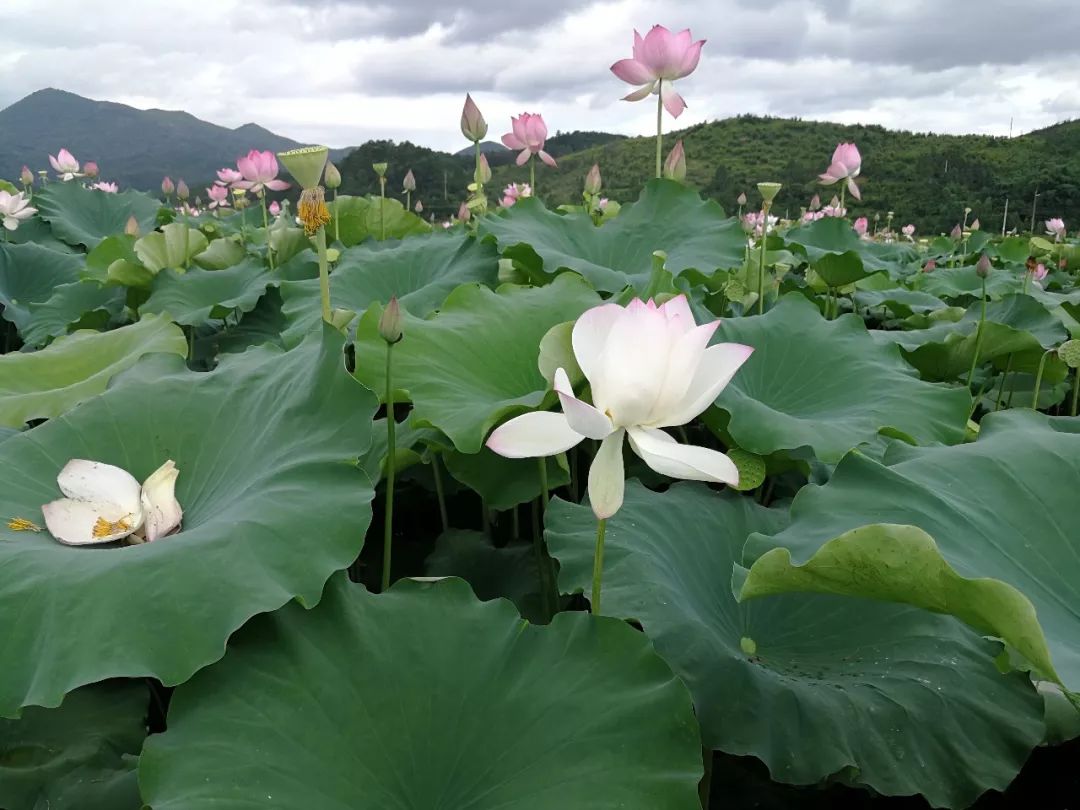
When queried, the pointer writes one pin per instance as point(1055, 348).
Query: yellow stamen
point(23, 525)
point(312, 210)
point(104, 528)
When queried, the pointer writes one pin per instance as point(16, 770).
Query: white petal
point(93, 481)
point(718, 365)
point(83, 523)
point(688, 461)
point(582, 417)
point(635, 362)
point(678, 307)
point(686, 355)
point(606, 477)
point(532, 435)
point(161, 509)
point(589, 336)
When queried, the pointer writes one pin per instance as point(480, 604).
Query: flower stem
point(440, 493)
point(843, 198)
point(761, 263)
point(324, 273)
point(532, 174)
point(1038, 380)
point(337, 219)
point(659, 129)
point(544, 482)
point(408, 201)
point(1001, 387)
point(978, 336)
point(266, 227)
point(382, 208)
point(1075, 392)
point(391, 464)
point(598, 566)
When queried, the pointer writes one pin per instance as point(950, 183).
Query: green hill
point(925, 179)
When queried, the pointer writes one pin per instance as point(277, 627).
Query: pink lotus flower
point(1056, 228)
point(463, 213)
point(90, 169)
point(65, 165)
point(259, 171)
point(930, 266)
point(167, 187)
point(227, 176)
point(861, 226)
point(660, 57)
point(14, 208)
point(513, 192)
point(649, 367)
point(1040, 272)
point(108, 188)
point(275, 208)
point(909, 232)
point(846, 165)
point(529, 134)
point(219, 196)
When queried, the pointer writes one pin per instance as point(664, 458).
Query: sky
point(341, 72)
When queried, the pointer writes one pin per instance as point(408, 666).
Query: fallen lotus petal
point(160, 507)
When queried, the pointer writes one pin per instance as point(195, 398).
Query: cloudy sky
point(343, 71)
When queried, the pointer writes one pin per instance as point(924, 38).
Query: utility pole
point(1005, 218)
point(1034, 202)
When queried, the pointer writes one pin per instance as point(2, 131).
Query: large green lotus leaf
point(82, 216)
point(840, 257)
point(221, 253)
point(898, 301)
point(986, 531)
point(191, 297)
point(887, 696)
point(263, 324)
point(81, 756)
point(47, 383)
point(964, 283)
point(1015, 325)
point(172, 247)
point(829, 386)
point(273, 504)
point(368, 217)
point(29, 274)
point(420, 271)
point(72, 305)
point(476, 360)
point(425, 697)
point(693, 232)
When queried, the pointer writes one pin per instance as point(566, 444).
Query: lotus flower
point(259, 171)
point(14, 208)
point(846, 165)
point(930, 266)
point(1056, 228)
point(660, 57)
point(649, 368)
point(1039, 273)
point(219, 196)
point(90, 169)
point(227, 176)
point(463, 212)
point(861, 225)
point(909, 232)
point(104, 503)
point(65, 165)
point(528, 135)
point(513, 192)
point(108, 188)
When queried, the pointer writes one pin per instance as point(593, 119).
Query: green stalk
point(1038, 380)
point(1005, 376)
point(440, 493)
point(659, 130)
point(266, 227)
point(978, 336)
point(532, 174)
point(391, 464)
point(1075, 392)
point(761, 264)
point(382, 208)
point(598, 566)
point(408, 201)
point(843, 197)
point(324, 273)
point(337, 219)
point(544, 482)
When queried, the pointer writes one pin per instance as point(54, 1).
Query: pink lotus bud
point(390, 322)
point(90, 169)
point(982, 268)
point(815, 203)
point(957, 233)
point(132, 226)
point(741, 199)
point(182, 190)
point(463, 213)
point(26, 177)
point(167, 187)
point(845, 167)
point(419, 207)
point(484, 175)
point(592, 180)
point(275, 208)
point(473, 125)
point(1063, 264)
point(930, 266)
point(861, 226)
point(975, 225)
point(675, 165)
point(409, 183)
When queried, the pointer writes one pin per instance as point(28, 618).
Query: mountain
point(487, 147)
point(925, 179)
point(134, 147)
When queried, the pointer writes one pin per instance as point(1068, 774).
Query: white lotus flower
point(65, 165)
point(105, 503)
point(14, 208)
point(650, 368)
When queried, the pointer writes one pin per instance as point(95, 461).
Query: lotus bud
point(815, 203)
point(473, 125)
point(768, 191)
point(380, 169)
point(167, 187)
point(182, 191)
point(132, 226)
point(463, 213)
point(982, 269)
point(741, 199)
point(90, 169)
point(26, 176)
point(975, 225)
point(305, 165)
point(390, 322)
point(484, 175)
point(930, 266)
point(331, 176)
point(675, 165)
point(957, 233)
point(409, 183)
point(419, 207)
point(592, 180)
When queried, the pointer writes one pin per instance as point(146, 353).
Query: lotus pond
point(649, 507)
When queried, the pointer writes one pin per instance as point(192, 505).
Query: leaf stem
point(978, 337)
point(1001, 387)
point(1038, 379)
point(598, 566)
point(266, 227)
point(761, 264)
point(337, 219)
point(391, 465)
point(440, 493)
point(324, 274)
point(1075, 392)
